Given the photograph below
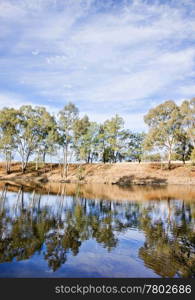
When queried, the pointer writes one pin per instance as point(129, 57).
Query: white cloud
point(15, 100)
point(12, 100)
point(134, 121)
point(187, 90)
point(10, 10)
point(122, 58)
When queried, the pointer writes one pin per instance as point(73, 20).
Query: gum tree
point(134, 145)
point(86, 139)
point(67, 118)
point(187, 110)
point(113, 130)
point(8, 117)
point(47, 133)
point(29, 132)
point(164, 122)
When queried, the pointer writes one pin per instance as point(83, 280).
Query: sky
point(107, 57)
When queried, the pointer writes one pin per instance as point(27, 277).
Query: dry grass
point(119, 173)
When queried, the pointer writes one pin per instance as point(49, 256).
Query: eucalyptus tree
point(32, 128)
point(91, 142)
point(86, 139)
point(80, 130)
point(50, 145)
point(134, 149)
point(164, 123)
point(8, 117)
point(183, 148)
point(67, 118)
point(47, 132)
point(186, 132)
point(187, 110)
point(113, 130)
point(101, 137)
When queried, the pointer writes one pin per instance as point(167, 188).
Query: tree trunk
point(7, 167)
point(37, 162)
point(169, 164)
point(169, 160)
point(44, 155)
point(183, 159)
point(51, 163)
point(8, 163)
point(65, 172)
point(23, 167)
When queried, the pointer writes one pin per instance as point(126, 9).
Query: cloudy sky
point(105, 56)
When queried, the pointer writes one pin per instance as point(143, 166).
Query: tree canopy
point(33, 132)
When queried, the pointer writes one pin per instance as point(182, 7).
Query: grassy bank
point(119, 173)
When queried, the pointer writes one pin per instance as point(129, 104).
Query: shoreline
point(122, 174)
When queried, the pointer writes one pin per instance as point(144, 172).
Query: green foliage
point(67, 119)
point(164, 123)
point(134, 146)
point(33, 131)
point(183, 148)
point(35, 127)
point(113, 134)
point(83, 136)
point(8, 117)
point(152, 157)
point(188, 118)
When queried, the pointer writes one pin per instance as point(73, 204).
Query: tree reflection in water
point(169, 248)
point(27, 227)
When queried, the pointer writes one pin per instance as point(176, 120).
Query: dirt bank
point(119, 173)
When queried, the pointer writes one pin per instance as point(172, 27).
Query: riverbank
point(119, 173)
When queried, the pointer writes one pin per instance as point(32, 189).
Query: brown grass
point(119, 173)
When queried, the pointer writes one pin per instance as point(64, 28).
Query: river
point(67, 230)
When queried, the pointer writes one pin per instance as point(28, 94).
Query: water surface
point(97, 231)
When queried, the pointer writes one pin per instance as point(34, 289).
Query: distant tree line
point(34, 132)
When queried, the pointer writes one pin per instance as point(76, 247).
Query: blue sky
point(105, 56)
